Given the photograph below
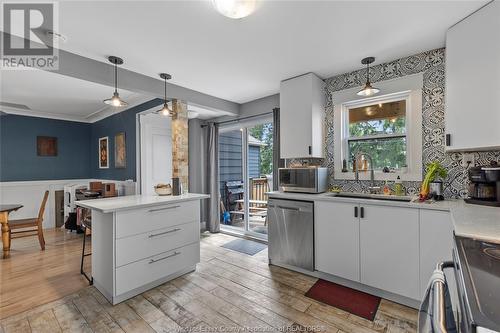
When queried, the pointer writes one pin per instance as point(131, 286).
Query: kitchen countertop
point(110, 205)
point(473, 221)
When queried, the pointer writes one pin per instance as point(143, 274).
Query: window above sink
point(386, 127)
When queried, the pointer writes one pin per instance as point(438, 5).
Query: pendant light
point(235, 9)
point(165, 110)
point(115, 101)
point(368, 90)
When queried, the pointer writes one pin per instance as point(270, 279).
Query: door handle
point(164, 233)
point(362, 212)
point(356, 211)
point(152, 261)
point(165, 208)
point(310, 150)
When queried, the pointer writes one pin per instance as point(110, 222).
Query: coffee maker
point(484, 188)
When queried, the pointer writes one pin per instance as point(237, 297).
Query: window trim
point(407, 88)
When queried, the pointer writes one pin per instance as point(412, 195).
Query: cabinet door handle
point(164, 233)
point(448, 140)
point(310, 150)
point(165, 208)
point(362, 212)
point(152, 261)
point(356, 211)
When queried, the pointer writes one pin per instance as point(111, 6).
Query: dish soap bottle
point(398, 187)
point(387, 189)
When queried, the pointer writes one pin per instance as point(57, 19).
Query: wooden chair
point(30, 223)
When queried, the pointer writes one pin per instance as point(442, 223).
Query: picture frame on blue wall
point(104, 152)
point(120, 151)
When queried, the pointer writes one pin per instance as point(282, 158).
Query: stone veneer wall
point(180, 141)
point(432, 64)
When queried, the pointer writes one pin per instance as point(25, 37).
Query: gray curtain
point(277, 161)
point(212, 178)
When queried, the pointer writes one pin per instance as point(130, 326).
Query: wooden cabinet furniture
point(389, 257)
point(472, 80)
point(139, 242)
point(336, 239)
point(302, 109)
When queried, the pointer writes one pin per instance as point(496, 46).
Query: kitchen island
point(142, 241)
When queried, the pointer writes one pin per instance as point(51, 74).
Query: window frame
point(408, 88)
point(346, 138)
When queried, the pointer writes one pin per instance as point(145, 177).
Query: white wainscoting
point(30, 194)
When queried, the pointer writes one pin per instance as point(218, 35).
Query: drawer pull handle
point(160, 209)
point(165, 232)
point(152, 261)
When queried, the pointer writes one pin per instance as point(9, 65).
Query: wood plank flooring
point(228, 289)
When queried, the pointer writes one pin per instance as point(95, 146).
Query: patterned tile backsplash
point(432, 64)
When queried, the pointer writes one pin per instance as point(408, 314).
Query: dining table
point(5, 210)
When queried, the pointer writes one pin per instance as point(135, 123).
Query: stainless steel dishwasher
point(291, 233)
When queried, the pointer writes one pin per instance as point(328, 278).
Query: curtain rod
point(240, 119)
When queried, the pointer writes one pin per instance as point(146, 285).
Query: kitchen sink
point(370, 196)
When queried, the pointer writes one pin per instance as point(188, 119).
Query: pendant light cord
point(116, 77)
point(165, 101)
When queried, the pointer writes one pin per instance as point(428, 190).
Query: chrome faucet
point(372, 188)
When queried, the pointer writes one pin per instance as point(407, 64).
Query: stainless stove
point(477, 270)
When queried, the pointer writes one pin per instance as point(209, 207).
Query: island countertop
point(110, 205)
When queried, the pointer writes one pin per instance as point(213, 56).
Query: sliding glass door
point(245, 174)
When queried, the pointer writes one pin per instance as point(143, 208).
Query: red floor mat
point(356, 302)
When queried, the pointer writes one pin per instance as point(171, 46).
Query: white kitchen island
point(142, 241)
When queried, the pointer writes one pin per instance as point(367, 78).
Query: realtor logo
point(27, 38)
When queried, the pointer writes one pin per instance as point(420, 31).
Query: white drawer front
point(135, 222)
point(142, 272)
point(134, 248)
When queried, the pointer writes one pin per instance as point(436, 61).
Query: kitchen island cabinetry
point(139, 242)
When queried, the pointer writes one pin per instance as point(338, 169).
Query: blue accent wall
point(121, 122)
point(18, 149)
point(77, 147)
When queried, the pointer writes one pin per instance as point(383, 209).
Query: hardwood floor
point(31, 277)
point(228, 289)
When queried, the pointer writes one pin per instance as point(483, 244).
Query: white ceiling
point(51, 95)
point(241, 60)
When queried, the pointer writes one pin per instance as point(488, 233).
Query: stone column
point(180, 135)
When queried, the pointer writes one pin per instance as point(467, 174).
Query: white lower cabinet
point(337, 239)
point(389, 249)
point(436, 245)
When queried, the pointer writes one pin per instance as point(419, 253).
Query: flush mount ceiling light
point(368, 90)
point(165, 110)
point(115, 101)
point(235, 9)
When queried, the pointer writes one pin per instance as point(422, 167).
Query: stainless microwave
point(304, 180)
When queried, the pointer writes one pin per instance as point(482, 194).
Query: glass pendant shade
point(115, 101)
point(165, 110)
point(368, 90)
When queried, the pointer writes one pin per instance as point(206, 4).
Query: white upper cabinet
point(302, 109)
point(473, 80)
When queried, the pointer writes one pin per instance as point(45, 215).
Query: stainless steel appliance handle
point(164, 233)
point(165, 208)
point(289, 208)
point(438, 302)
point(152, 261)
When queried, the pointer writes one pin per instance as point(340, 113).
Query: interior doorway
point(156, 151)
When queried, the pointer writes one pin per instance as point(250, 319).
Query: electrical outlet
point(468, 160)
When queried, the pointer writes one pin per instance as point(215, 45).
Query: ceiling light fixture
point(235, 9)
point(115, 101)
point(165, 110)
point(368, 90)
